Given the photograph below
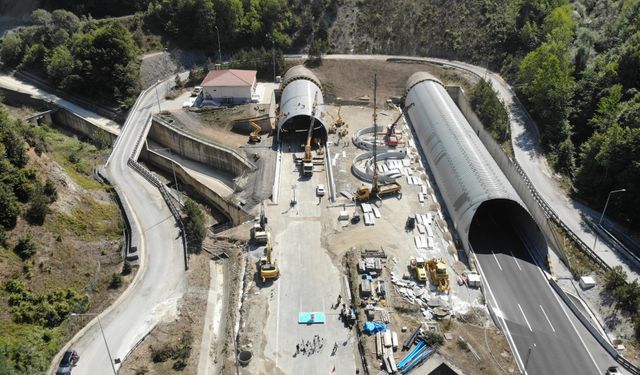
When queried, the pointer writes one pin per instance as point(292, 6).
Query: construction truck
point(391, 137)
point(365, 193)
point(418, 268)
point(307, 159)
point(268, 268)
point(438, 274)
point(255, 137)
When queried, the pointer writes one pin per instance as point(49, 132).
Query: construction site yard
point(460, 316)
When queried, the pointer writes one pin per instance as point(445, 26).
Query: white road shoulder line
point(496, 258)
point(516, 261)
point(525, 318)
point(545, 315)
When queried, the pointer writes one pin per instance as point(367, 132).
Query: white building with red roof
point(229, 86)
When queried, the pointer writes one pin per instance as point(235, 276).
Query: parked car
point(69, 360)
point(613, 370)
point(320, 190)
point(196, 91)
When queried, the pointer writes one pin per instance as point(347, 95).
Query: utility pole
point(113, 367)
point(219, 50)
point(273, 52)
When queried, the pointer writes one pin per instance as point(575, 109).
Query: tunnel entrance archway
point(298, 126)
point(503, 226)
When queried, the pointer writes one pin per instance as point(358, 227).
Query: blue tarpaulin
point(371, 328)
point(366, 276)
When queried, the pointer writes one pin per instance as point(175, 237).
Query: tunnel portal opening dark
point(503, 226)
point(298, 126)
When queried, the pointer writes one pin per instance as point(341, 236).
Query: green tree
point(615, 278)
point(545, 76)
point(11, 51)
point(34, 57)
point(50, 190)
point(59, 64)
point(116, 281)
point(9, 208)
point(38, 208)
point(490, 110)
point(194, 223)
point(13, 144)
point(25, 248)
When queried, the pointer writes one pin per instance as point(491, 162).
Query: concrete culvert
point(244, 357)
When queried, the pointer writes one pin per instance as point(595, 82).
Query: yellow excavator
point(438, 274)
point(307, 159)
point(365, 193)
point(269, 270)
point(255, 137)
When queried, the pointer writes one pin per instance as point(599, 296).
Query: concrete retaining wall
point(232, 210)
point(66, 119)
point(509, 169)
point(213, 155)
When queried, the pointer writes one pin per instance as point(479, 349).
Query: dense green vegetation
point(21, 191)
point(626, 296)
point(194, 225)
point(97, 59)
point(490, 110)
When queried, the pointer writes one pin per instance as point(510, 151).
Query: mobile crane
point(391, 137)
point(364, 193)
point(307, 159)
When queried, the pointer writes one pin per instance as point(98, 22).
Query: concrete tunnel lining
point(300, 87)
point(470, 180)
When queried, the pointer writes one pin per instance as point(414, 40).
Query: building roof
point(229, 77)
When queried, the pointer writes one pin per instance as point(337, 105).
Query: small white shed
point(229, 86)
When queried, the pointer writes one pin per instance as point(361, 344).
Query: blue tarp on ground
point(314, 317)
point(366, 276)
point(371, 328)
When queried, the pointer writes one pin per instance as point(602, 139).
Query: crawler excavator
point(364, 193)
point(391, 138)
point(255, 137)
point(268, 267)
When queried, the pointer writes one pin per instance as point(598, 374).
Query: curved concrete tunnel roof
point(471, 183)
point(299, 89)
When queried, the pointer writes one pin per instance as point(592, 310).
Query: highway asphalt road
point(309, 281)
point(160, 281)
point(530, 309)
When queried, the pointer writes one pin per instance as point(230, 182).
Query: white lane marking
point(525, 318)
point(496, 258)
point(560, 303)
point(516, 261)
point(545, 315)
point(500, 316)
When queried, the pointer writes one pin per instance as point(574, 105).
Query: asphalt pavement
point(310, 281)
point(160, 282)
point(533, 314)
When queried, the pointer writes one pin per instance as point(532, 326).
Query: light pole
point(175, 180)
point(113, 367)
point(528, 356)
point(219, 51)
point(595, 242)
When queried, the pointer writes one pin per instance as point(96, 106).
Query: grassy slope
point(84, 226)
